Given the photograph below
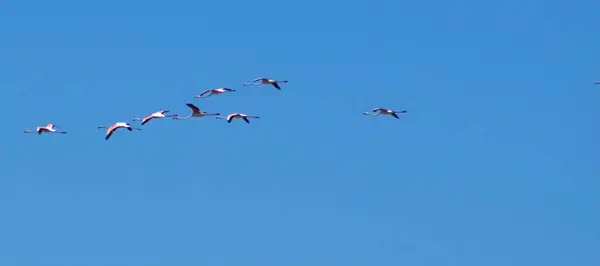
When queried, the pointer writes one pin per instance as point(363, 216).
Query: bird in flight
point(260, 81)
point(116, 126)
point(195, 113)
point(237, 115)
point(383, 111)
point(50, 128)
point(210, 92)
point(158, 114)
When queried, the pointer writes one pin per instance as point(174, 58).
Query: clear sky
point(495, 163)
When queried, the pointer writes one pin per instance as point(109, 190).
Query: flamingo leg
point(373, 114)
point(254, 83)
point(182, 118)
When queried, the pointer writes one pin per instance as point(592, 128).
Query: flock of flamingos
point(51, 128)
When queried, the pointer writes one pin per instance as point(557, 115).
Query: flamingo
point(597, 82)
point(195, 113)
point(260, 81)
point(213, 92)
point(158, 114)
point(116, 126)
point(50, 128)
point(383, 111)
point(237, 115)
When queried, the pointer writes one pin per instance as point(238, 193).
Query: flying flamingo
point(214, 92)
point(237, 115)
point(260, 81)
point(158, 114)
point(116, 126)
point(383, 111)
point(50, 128)
point(195, 113)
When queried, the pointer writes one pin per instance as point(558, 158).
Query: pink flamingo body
point(195, 113)
point(231, 116)
point(158, 114)
point(261, 81)
point(383, 111)
point(50, 128)
point(110, 130)
point(210, 92)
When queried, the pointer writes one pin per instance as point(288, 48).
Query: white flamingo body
point(210, 92)
point(266, 81)
point(195, 113)
point(157, 114)
point(383, 111)
point(110, 130)
point(50, 128)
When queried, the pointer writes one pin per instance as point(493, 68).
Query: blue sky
point(495, 162)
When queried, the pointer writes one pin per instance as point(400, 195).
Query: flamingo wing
point(110, 131)
point(395, 115)
point(205, 92)
point(146, 119)
point(246, 119)
point(193, 107)
point(276, 85)
point(231, 116)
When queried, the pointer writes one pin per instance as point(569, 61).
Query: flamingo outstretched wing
point(110, 131)
point(205, 92)
point(147, 119)
point(193, 107)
